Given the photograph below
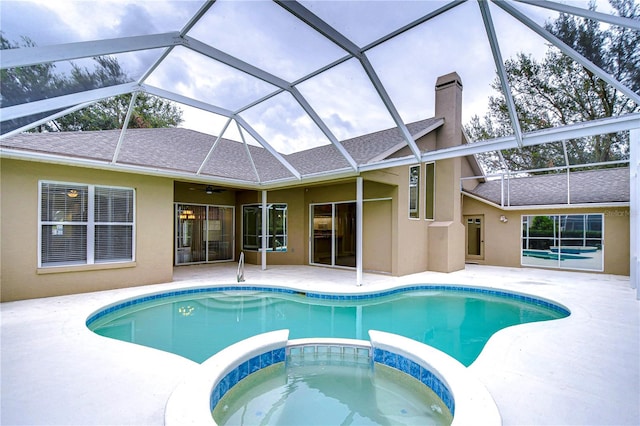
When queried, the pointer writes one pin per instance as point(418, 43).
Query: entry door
point(474, 237)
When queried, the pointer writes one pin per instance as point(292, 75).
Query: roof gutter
point(17, 154)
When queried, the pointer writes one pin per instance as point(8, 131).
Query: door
point(203, 233)
point(322, 225)
point(333, 228)
point(190, 234)
point(220, 233)
point(474, 237)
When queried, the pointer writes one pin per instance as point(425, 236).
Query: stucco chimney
point(446, 243)
point(449, 107)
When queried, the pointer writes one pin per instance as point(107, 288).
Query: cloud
point(41, 26)
point(265, 35)
point(246, 31)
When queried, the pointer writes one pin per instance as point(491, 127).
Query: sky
point(265, 35)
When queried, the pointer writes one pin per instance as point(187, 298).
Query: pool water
point(198, 325)
point(335, 392)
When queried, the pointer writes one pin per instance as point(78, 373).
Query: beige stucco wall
point(502, 240)
point(21, 278)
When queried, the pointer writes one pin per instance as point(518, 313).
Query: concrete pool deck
point(581, 370)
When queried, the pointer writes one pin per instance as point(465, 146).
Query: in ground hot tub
point(391, 378)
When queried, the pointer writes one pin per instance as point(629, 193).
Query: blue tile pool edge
point(243, 370)
point(390, 359)
point(419, 372)
point(331, 296)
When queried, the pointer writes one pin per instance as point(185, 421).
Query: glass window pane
point(251, 227)
point(220, 233)
point(414, 191)
point(113, 205)
point(64, 202)
point(278, 227)
point(113, 243)
point(345, 238)
point(322, 233)
point(64, 244)
point(430, 190)
point(566, 241)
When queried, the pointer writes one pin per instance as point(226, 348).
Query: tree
point(558, 91)
point(27, 84)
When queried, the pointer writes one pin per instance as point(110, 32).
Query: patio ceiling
point(271, 73)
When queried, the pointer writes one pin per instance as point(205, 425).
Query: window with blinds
point(85, 224)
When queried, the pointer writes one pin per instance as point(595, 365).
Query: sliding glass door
point(333, 228)
point(203, 233)
point(322, 225)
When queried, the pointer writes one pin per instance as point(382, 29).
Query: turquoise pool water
point(198, 323)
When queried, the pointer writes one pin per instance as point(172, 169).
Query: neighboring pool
point(199, 322)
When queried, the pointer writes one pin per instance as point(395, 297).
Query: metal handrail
point(506, 176)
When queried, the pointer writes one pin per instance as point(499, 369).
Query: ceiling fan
point(211, 190)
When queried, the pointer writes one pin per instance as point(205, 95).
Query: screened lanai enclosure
point(288, 76)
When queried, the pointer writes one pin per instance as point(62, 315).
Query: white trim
point(90, 225)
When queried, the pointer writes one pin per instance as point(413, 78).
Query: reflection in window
point(563, 241)
point(414, 191)
point(276, 227)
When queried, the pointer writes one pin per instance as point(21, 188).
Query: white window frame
point(285, 233)
point(417, 190)
point(558, 263)
point(90, 224)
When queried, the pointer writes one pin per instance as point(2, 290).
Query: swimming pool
point(199, 322)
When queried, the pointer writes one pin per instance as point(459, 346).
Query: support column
point(265, 213)
point(634, 204)
point(359, 228)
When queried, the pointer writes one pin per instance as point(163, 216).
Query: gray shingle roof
point(90, 145)
point(185, 150)
point(592, 186)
